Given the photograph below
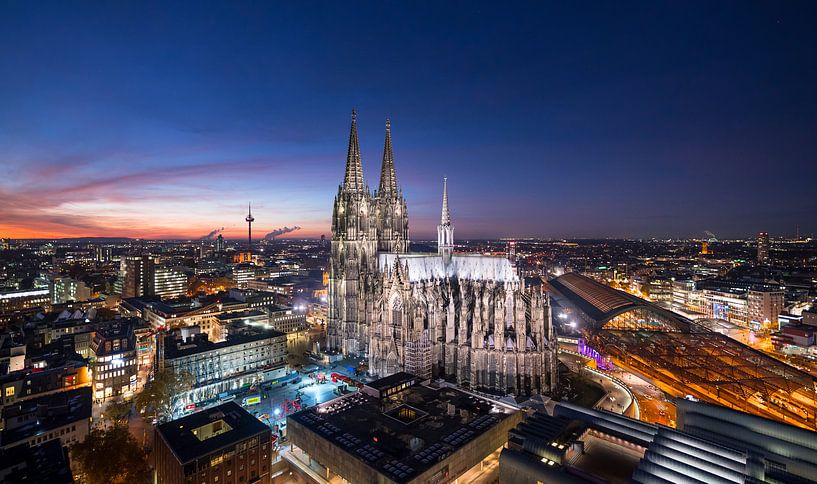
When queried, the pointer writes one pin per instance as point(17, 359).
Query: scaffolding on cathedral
point(418, 356)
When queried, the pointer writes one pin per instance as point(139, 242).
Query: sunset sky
point(153, 121)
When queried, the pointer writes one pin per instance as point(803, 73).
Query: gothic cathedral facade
point(467, 318)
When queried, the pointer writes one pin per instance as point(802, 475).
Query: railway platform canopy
point(684, 358)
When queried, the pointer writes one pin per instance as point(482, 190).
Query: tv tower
point(250, 219)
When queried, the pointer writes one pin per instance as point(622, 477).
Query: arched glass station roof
point(683, 358)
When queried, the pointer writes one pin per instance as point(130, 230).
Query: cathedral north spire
point(353, 180)
point(388, 178)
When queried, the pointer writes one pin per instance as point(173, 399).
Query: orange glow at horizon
point(149, 233)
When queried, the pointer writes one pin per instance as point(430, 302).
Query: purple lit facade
point(602, 362)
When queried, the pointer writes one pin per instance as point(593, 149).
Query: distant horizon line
point(802, 237)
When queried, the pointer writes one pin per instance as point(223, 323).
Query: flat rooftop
point(205, 432)
point(392, 381)
point(175, 347)
point(47, 462)
point(240, 315)
point(413, 430)
point(52, 412)
point(612, 462)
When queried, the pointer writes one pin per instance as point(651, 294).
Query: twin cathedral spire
point(379, 220)
point(382, 216)
point(353, 180)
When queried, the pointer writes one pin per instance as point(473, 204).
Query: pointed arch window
point(397, 317)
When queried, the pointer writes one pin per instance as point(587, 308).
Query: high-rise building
point(765, 306)
point(763, 248)
point(169, 282)
point(705, 248)
point(220, 243)
point(242, 274)
point(470, 318)
point(136, 274)
point(103, 254)
point(141, 276)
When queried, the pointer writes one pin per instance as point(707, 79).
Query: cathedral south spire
point(445, 231)
point(388, 178)
point(353, 180)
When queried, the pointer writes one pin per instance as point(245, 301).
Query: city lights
point(481, 242)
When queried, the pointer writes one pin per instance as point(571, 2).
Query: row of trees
point(112, 454)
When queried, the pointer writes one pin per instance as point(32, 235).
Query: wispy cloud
point(78, 195)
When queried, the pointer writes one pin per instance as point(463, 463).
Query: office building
point(169, 282)
point(253, 298)
point(764, 307)
point(763, 248)
point(135, 275)
point(286, 319)
point(220, 445)
point(141, 276)
point(75, 329)
point(682, 300)
point(103, 254)
point(242, 274)
point(223, 322)
point(171, 315)
point(24, 299)
point(399, 429)
point(66, 289)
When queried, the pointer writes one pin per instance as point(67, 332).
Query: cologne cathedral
point(467, 318)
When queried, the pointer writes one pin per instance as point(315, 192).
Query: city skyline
point(117, 123)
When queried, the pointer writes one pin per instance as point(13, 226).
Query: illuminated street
point(408, 242)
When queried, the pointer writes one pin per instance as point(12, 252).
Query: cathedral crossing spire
point(388, 178)
point(353, 181)
point(446, 216)
point(445, 232)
